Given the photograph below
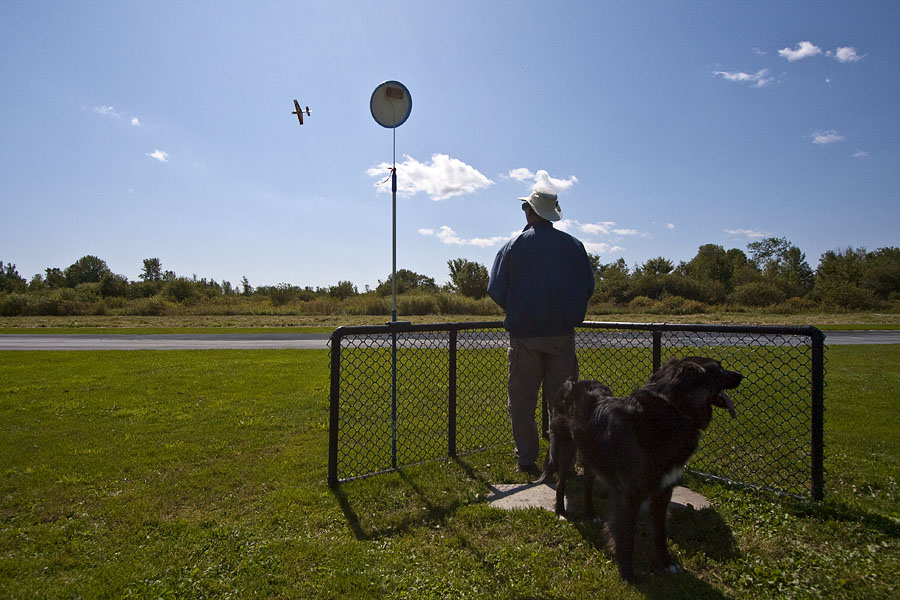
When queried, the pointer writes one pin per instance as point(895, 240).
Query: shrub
point(179, 290)
point(457, 304)
point(147, 307)
point(848, 296)
point(281, 294)
point(793, 306)
point(641, 303)
point(677, 305)
point(757, 293)
point(368, 304)
point(419, 304)
point(13, 305)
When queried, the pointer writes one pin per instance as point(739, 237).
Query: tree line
point(771, 272)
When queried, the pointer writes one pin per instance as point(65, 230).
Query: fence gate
point(450, 395)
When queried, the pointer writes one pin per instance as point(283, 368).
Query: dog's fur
point(637, 445)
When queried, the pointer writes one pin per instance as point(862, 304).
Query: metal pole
point(334, 407)
point(394, 228)
point(394, 306)
point(818, 415)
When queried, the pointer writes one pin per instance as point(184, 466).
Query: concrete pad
point(512, 496)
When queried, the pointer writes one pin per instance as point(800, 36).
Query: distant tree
point(711, 263)
point(112, 285)
point(613, 284)
point(656, 266)
point(87, 269)
point(783, 263)
point(468, 278)
point(180, 289)
point(10, 280)
point(281, 294)
point(343, 290)
point(882, 273)
point(407, 281)
point(855, 278)
point(54, 278)
point(246, 289)
point(152, 270)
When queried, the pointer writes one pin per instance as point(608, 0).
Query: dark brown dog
point(637, 445)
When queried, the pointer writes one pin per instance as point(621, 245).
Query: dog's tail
point(549, 469)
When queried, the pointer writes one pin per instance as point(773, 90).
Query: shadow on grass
point(700, 533)
point(393, 503)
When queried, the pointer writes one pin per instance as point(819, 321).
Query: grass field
point(327, 323)
point(201, 474)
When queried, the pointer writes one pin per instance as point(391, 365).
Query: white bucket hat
point(544, 204)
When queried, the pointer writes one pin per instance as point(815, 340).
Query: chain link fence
point(403, 394)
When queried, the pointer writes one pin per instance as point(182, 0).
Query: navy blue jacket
point(543, 279)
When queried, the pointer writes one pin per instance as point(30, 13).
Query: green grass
point(201, 474)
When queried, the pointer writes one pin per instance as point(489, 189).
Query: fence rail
point(403, 394)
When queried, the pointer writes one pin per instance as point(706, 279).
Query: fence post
point(335, 397)
point(451, 400)
point(657, 349)
point(818, 414)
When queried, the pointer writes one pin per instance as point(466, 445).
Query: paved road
point(178, 341)
point(278, 341)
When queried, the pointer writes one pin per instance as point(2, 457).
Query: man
point(543, 279)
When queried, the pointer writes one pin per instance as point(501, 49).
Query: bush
point(677, 305)
point(13, 305)
point(641, 303)
point(793, 306)
point(757, 293)
point(368, 304)
point(281, 294)
point(147, 307)
point(180, 290)
point(419, 304)
point(457, 304)
point(848, 296)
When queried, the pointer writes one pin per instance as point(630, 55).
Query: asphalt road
point(279, 341)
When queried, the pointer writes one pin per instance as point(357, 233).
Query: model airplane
point(299, 111)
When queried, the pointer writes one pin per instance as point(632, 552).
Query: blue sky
point(163, 129)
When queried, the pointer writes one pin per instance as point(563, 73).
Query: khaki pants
point(532, 361)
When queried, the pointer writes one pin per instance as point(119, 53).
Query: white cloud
point(448, 236)
point(135, 121)
point(159, 155)
point(670, 226)
point(601, 228)
point(542, 180)
point(601, 248)
point(444, 177)
point(750, 233)
point(860, 154)
point(823, 138)
point(106, 110)
point(759, 52)
point(803, 50)
point(759, 79)
point(846, 54)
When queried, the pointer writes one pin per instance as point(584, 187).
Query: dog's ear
point(678, 372)
point(561, 398)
